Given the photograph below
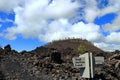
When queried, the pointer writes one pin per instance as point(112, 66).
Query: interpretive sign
point(86, 63)
point(79, 62)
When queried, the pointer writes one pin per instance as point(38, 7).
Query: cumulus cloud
point(110, 42)
point(107, 46)
point(61, 8)
point(11, 33)
point(92, 10)
point(115, 25)
point(58, 29)
point(7, 6)
point(43, 10)
point(88, 31)
point(113, 8)
point(114, 37)
point(32, 18)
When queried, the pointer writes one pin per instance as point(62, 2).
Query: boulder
point(7, 48)
point(56, 57)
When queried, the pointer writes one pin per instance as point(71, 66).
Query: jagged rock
point(117, 65)
point(2, 77)
point(117, 51)
point(23, 52)
point(56, 57)
point(115, 56)
point(1, 50)
point(7, 48)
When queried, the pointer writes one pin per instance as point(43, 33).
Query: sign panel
point(86, 71)
point(99, 60)
point(79, 62)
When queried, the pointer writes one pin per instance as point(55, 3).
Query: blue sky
point(26, 25)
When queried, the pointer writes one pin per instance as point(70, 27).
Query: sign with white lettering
point(79, 62)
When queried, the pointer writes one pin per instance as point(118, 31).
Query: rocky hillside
point(73, 44)
point(54, 62)
point(67, 48)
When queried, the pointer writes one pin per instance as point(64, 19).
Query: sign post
point(86, 63)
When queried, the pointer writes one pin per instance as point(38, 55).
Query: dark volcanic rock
point(2, 77)
point(56, 57)
point(7, 48)
point(54, 62)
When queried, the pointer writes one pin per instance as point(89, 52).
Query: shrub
point(81, 49)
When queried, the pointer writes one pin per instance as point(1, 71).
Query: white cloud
point(91, 14)
point(61, 8)
point(92, 11)
point(113, 8)
point(88, 31)
point(31, 19)
point(114, 37)
point(57, 29)
point(107, 46)
point(115, 25)
point(8, 5)
point(41, 10)
point(11, 34)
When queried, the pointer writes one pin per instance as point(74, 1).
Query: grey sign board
point(99, 60)
point(79, 62)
